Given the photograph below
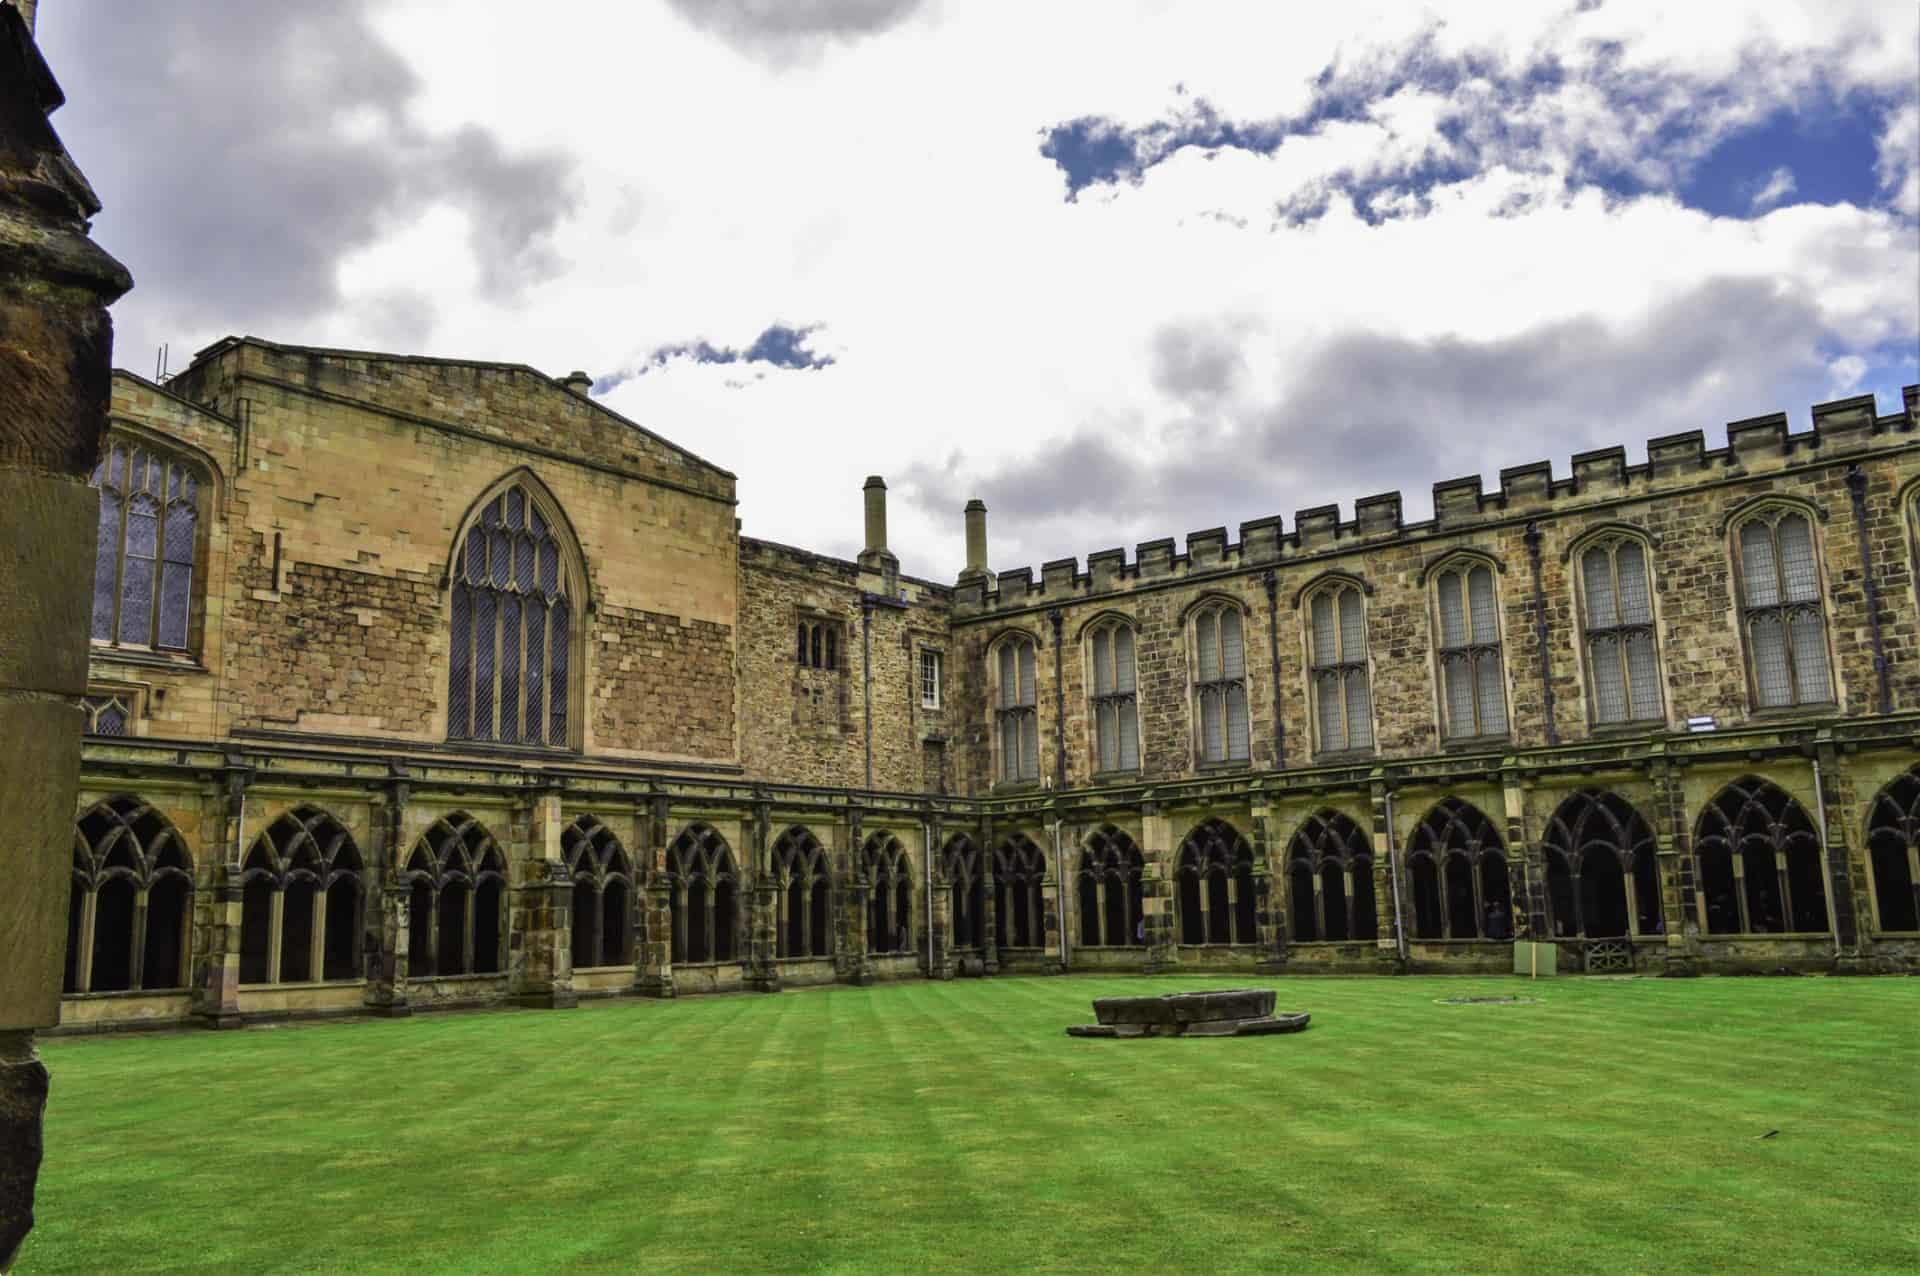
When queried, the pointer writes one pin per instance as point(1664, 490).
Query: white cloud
point(1776, 188)
point(888, 184)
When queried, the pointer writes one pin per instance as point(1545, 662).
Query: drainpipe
point(866, 679)
point(1540, 633)
point(1059, 898)
point(1058, 618)
point(1826, 870)
point(1857, 491)
point(1393, 877)
point(1271, 580)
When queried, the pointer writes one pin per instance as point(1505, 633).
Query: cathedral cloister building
point(423, 683)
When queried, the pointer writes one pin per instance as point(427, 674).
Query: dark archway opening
point(1603, 896)
point(1333, 892)
point(1426, 898)
point(1300, 910)
point(341, 957)
point(420, 952)
point(724, 920)
point(163, 965)
point(296, 932)
point(614, 947)
point(452, 957)
point(487, 916)
point(256, 931)
point(586, 907)
point(113, 936)
point(1893, 888)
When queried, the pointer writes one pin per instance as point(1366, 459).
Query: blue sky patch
point(779, 346)
point(1824, 154)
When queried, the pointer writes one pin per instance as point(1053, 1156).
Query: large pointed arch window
point(704, 901)
point(1220, 683)
point(1458, 872)
point(1893, 852)
point(149, 534)
point(603, 894)
point(1786, 628)
point(1330, 881)
point(456, 880)
point(1602, 877)
point(301, 901)
point(1019, 905)
point(1108, 890)
point(1215, 886)
point(1115, 698)
point(512, 635)
point(1473, 687)
point(967, 893)
point(1016, 715)
point(129, 914)
point(804, 895)
point(1337, 647)
point(1759, 862)
point(889, 877)
point(1623, 664)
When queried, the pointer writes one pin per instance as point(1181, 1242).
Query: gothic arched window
point(129, 914)
point(1113, 693)
point(301, 901)
point(512, 635)
point(1623, 662)
point(603, 893)
point(456, 882)
point(1893, 851)
point(1218, 634)
point(1337, 651)
point(149, 535)
point(1330, 880)
point(1458, 869)
point(1780, 609)
point(1472, 685)
point(1016, 715)
point(883, 863)
point(805, 899)
point(1019, 910)
point(1602, 881)
point(705, 899)
point(1214, 874)
point(967, 889)
point(1759, 862)
point(1108, 889)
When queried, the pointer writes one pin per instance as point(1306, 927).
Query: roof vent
point(578, 382)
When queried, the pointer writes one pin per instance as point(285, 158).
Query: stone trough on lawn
point(1237, 1012)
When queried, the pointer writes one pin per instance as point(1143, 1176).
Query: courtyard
point(1610, 1125)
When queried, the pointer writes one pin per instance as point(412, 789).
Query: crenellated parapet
point(1757, 448)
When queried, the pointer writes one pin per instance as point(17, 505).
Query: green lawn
point(1612, 1127)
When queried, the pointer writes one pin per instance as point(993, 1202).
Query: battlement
point(1757, 446)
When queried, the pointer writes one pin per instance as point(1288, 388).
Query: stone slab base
point(1237, 1012)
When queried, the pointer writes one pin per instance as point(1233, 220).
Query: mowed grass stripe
point(1612, 1126)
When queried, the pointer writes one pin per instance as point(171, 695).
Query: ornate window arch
point(1016, 713)
point(1615, 575)
point(149, 541)
point(804, 908)
point(1108, 889)
point(1893, 853)
point(1113, 695)
point(1217, 634)
point(1782, 613)
point(515, 637)
point(1759, 862)
point(302, 901)
point(1019, 911)
point(1602, 880)
point(456, 882)
point(889, 876)
point(1466, 616)
point(967, 891)
point(1457, 868)
point(129, 913)
point(705, 899)
point(604, 893)
point(1339, 682)
point(1214, 872)
point(1330, 881)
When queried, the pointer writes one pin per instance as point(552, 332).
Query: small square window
point(930, 679)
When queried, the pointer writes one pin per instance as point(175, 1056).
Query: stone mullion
point(1446, 911)
point(764, 899)
point(276, 919)
point(1526, 867)
point(1579, 911)
point(1319, 905)
point(1100, 936)
point(989, 921)
point(1738, 861)
point(1479, 899)
point(83, 959)
point(1049, 916)
point(466, 937)
point(137, 959)
point(1346, 883)
point(1633, 902)
point(317, 935)
point(1788, 919)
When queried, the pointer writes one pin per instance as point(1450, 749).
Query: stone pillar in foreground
point(540, 915)
point(56, 352)
point(1156, 891)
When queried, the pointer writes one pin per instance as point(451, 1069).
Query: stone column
point(939, 908)
point(387, 922)
point(1673, 858)
point(217, 996)
point(653, 949)
point(763, 907)
point(1269, 920)
point(539, 914)
point(1845, 904)
point(1526, 869)
point(989, 904)
point(1156, 891)
point(56, 353)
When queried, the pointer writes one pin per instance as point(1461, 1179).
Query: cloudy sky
point(1122, 270)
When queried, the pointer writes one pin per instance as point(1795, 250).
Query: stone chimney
point(578, 382)
point(976, 514)
point(876, 557)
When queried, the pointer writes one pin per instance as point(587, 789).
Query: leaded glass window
point(1780, 608)
point(1017, 715)
point(512, 618)
point(1622, 660)
point(1342, 695)
point(1472, 684)
point(1115, 694)
point(143, 561)
point(1220, 683)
